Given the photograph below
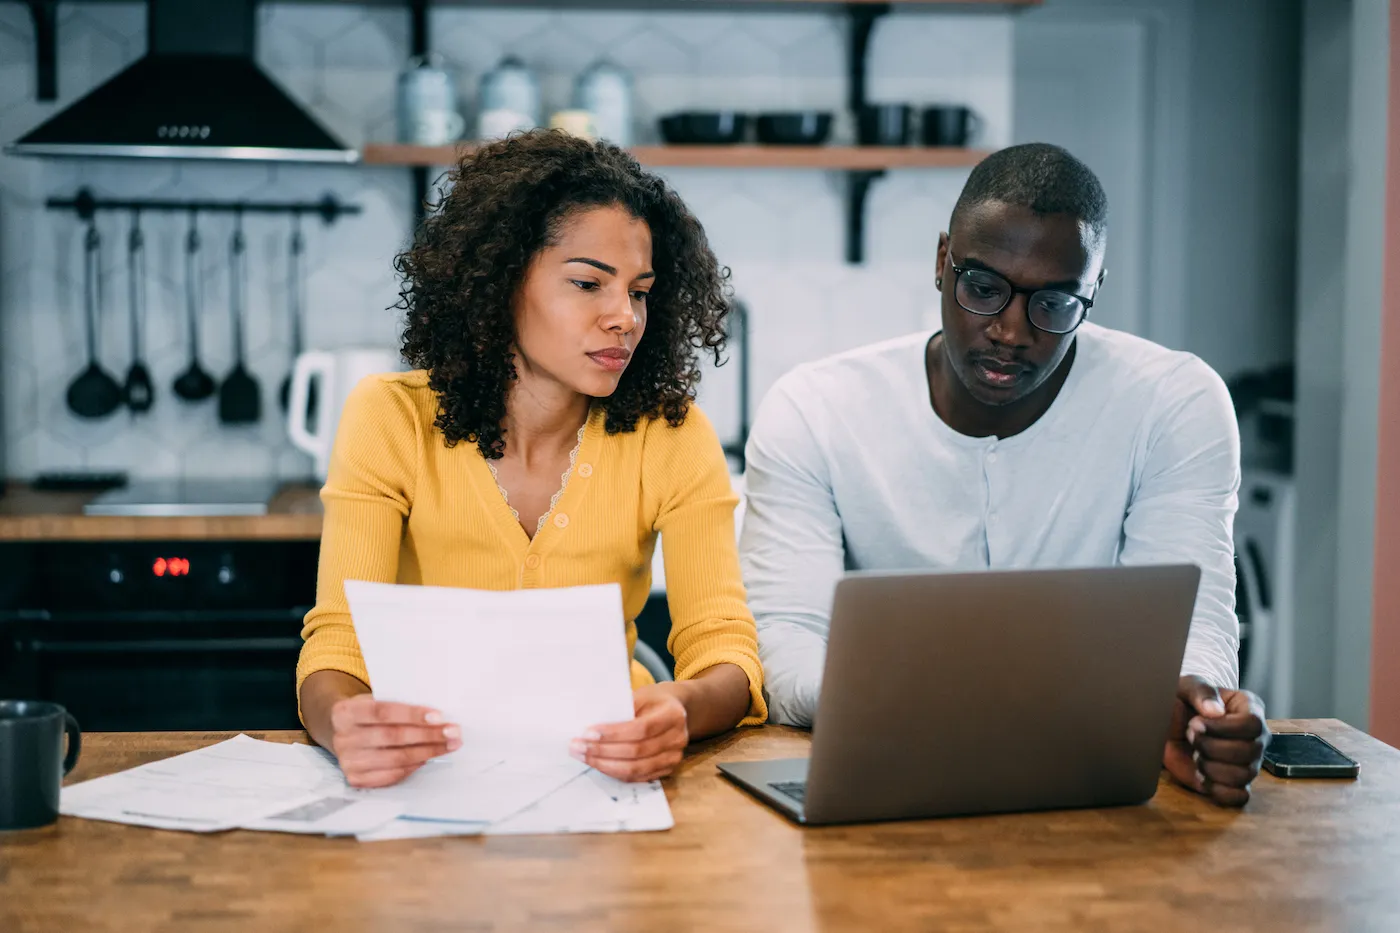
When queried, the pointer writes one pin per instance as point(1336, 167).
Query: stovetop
point(180, 498)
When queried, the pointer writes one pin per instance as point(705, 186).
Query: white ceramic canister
point(605, 90)
point(427, 104)
point(510, 100)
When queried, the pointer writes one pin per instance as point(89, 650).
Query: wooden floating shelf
point(665, 5)
point(966, 3)
point(837, 158)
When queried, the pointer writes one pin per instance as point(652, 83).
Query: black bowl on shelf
point(795, 128)
point(715, 128)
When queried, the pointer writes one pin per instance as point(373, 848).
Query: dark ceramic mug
point(884, 125)
point(950, 126)
point(32, 760)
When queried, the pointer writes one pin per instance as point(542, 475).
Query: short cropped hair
point(1042, 177)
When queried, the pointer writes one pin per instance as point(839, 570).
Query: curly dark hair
point(505, 202)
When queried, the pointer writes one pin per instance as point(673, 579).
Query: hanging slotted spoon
point(137, 390)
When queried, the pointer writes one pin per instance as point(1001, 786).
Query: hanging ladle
point(137, 390)
point(194, 384)
point(240, 398)
point(94, 393)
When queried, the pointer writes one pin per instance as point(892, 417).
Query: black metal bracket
point(86, 205)
point(862, 17)
point(858, 182)
point(737, 326)
point(45, 15)
point(418, 27)
point(419, 40)
point(420, 194)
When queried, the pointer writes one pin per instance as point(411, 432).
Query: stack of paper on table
point(238, 784)
point(244, 783)
point(521, 673)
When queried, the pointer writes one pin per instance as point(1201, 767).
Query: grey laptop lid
point(966, 693)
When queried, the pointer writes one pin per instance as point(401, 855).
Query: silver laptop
point(950, 694)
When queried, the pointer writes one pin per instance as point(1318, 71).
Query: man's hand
point(378, 744)
point(641, 749)
point(1217, 740)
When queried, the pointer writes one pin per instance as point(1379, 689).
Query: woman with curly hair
point(556, 305)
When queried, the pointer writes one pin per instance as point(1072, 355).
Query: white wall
point(1241, 189)
point(781, 231)
point(1130, 127)
point(1361, 362)
point(1207, 215)
point(1097, 106)
point(1324, 154)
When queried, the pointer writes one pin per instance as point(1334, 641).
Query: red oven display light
point(171, 567)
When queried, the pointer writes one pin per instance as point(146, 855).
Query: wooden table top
point(1305, 855)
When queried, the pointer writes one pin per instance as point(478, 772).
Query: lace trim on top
point(554, 499)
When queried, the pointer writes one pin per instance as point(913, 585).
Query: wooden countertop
point(26, 514)
point(1305, 855)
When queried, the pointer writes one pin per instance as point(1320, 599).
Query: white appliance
point(1266, 564)
point(334, 373)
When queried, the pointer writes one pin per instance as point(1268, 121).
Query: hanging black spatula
point(194, 384)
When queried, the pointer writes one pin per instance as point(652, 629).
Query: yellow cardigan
point(403, 507)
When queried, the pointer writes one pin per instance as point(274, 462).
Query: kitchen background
point(1241, 143)
point(781, 231)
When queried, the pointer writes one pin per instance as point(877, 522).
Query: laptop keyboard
point(797, 790)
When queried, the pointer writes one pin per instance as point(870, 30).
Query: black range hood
point(197, 94)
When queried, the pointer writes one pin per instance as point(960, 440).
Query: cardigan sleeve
point(710, 620)
point(367, 497)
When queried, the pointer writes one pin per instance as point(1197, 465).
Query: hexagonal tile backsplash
point(780, 231)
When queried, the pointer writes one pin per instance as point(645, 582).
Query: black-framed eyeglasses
point(987, 293)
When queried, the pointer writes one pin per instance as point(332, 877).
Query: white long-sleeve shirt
point(849, 468)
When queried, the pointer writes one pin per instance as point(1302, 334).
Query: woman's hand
point(668, 716)
point(378, 744)
point(642, 749)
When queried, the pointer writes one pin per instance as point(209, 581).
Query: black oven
point(138, 635)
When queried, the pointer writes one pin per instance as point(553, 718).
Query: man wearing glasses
point(1019, 435)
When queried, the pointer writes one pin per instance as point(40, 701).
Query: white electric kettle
point(334, 373)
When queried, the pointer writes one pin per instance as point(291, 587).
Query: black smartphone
point(1305, 755)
